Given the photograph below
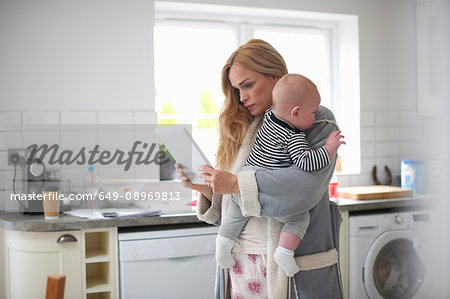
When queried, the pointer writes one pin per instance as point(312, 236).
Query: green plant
point(167, 154)
point(166, 169)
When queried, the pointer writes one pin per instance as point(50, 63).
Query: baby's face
point(304, 117)
point(307, 116)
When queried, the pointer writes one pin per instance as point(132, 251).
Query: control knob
point(398, 219)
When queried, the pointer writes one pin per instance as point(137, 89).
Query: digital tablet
point(178, 140)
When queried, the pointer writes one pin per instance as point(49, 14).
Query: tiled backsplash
point(387, 137)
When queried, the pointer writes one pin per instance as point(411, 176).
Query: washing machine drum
point(393, 268)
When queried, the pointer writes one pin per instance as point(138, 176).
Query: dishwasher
point(167, 263)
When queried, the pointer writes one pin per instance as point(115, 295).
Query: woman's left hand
point(221, 182)
point(205, 190)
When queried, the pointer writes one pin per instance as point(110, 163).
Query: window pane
point(188, 64)
point(305, 52)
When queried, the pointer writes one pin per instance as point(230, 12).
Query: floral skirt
point(248, 278)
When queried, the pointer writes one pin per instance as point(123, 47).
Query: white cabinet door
point(29, 257)
point(430, 60)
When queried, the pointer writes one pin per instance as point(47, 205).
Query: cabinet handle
point(66, 238)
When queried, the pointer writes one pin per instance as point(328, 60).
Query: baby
point(281, 142)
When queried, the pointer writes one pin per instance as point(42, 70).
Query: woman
point(248, 78)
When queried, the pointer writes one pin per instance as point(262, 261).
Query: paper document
point(111, 213)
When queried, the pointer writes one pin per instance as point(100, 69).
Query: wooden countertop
point(353, 205)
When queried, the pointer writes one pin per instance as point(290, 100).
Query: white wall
point(76, 55)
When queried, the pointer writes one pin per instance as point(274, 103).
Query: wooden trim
point(55, 286)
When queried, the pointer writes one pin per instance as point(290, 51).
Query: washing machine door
point(393, 267)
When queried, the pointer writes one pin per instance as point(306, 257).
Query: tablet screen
point(178, 140)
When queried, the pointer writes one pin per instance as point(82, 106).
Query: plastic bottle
point(91, 185)
point(333, 188)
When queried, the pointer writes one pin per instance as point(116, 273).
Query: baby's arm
point(308, 159)
point(333, 142)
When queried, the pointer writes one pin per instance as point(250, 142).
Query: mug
point(51, 204)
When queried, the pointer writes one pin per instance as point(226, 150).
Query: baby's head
point(295, 100)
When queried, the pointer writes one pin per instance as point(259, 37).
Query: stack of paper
point(111, 213)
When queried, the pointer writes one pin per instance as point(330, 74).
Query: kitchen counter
point(36, 223)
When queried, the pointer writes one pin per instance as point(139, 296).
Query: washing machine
point(388, 255)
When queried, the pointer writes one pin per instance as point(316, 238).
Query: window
point(188, 61)
point(192, 43)
point(306, 51)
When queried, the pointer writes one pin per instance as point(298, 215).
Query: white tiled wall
point(19, 128)
point(387, 138)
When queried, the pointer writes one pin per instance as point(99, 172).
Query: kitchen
point(97, 68)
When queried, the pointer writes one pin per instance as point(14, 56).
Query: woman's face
point(255, 89)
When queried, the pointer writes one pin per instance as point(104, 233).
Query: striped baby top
point(278, 145)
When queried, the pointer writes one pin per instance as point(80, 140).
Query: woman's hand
point(204, 189)
point(221, 182)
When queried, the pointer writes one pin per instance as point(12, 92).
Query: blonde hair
point(234, 119)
